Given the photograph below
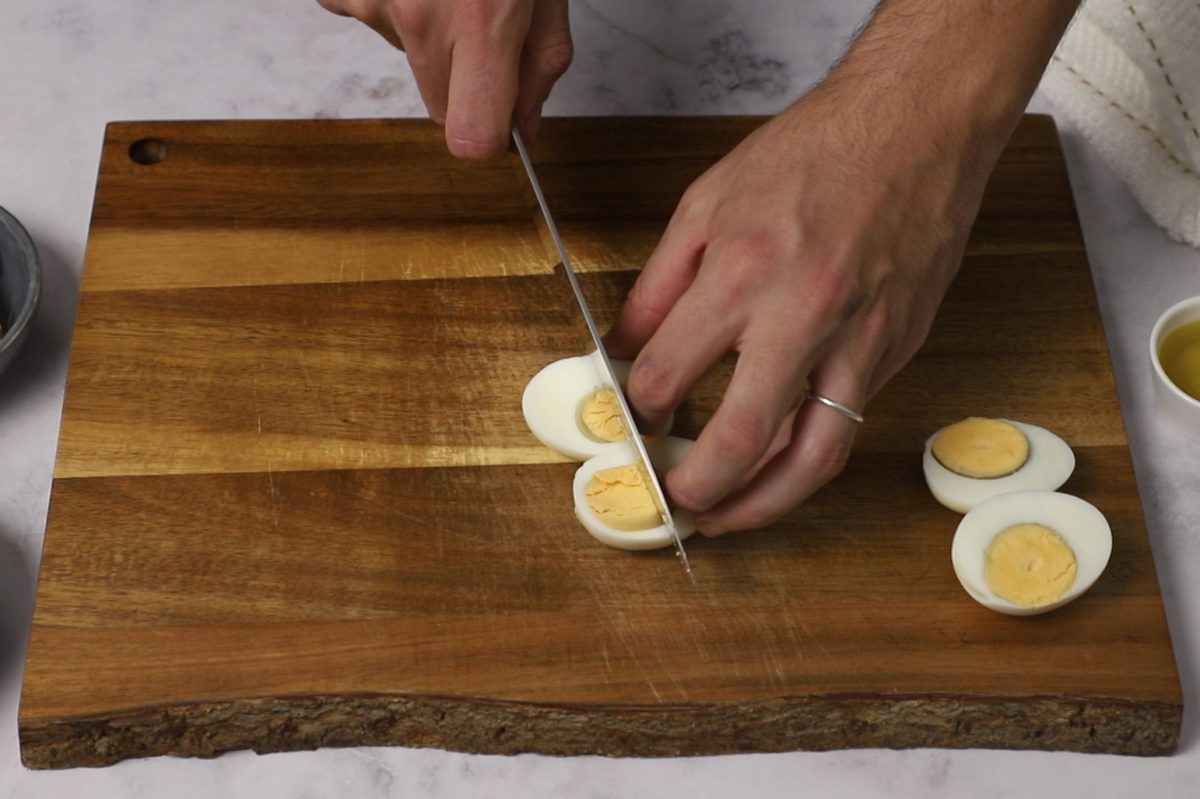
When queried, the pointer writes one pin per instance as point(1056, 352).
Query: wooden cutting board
point(295, 503)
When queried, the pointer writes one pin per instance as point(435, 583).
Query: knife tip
point(687, 566)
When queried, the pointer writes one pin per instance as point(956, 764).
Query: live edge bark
point(815, 724)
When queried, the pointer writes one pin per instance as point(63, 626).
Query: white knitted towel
point(1128, 75)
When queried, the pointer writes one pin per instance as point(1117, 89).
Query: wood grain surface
point(296, 505)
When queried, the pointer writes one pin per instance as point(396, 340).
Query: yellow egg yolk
point(981, 448)
point(1029, 565)
point(600, 416)
point(620, 498)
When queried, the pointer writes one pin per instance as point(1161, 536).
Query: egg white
point(665, 452)
point(1081, 525)
point(551, 402)
point(1051, 462)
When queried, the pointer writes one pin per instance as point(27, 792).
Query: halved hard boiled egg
point(976, 459)
point(571, 409)
point(1029, 552)
point(614, 503)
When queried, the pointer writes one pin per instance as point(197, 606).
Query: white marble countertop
point(69, 66)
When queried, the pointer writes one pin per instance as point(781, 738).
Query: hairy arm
point(956, 71)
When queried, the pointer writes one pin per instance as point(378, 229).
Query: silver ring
point(849, 413)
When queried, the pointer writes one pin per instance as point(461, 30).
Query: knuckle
point(836, 288)
point(693, 201)
point(642, 300)
point(742, 437)
point(697, 206)
point(742, 264)
point(652, 387)
point(414, 21)
point(553, 58)
point(898, 324)
point(828, 457)
point(362, 10)
point(878, 322)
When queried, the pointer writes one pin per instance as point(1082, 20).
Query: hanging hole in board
point(148, 151)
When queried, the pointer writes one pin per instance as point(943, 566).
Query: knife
point(642, 463)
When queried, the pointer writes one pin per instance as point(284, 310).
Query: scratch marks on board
point(617, 623)
point(274, 495)
point(813, 639)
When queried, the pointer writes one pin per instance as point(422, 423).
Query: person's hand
point(819, 250)
point(480, 65)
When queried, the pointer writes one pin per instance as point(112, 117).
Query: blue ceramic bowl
point(20, 286)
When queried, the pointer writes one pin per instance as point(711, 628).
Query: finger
point(429, 57)
point(433, 82)
point(820, 447)
point(735, 440)
point(783, 437)
point(425, 33)
point(696, 331)
point(668, 273)
point(546, 56)
point(900, 348)
point(821, 442)
point(484, 70)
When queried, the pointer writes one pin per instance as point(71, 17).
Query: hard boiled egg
point(615, 505)
point(571, 410)
point(976, 459)
point(1029, 552)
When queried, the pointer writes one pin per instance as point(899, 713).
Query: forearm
point(956, 71)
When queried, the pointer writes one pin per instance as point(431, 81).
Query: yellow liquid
point(1180, 357)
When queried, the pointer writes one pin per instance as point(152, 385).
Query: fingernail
point(473, 149)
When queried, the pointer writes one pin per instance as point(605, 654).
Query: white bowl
point(1181, 408)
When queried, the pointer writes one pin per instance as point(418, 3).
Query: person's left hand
point(819, 249)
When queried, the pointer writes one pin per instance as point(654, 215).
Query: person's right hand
point(480, 65)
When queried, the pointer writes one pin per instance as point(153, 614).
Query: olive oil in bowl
point(1179, 355)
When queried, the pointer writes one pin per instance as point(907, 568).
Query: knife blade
point(644, 467)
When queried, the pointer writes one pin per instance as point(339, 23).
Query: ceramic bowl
point(1173, 402)
point(20, 286)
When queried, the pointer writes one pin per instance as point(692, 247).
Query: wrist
point(954, 75)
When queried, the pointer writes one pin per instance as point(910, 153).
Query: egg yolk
point(621, 499)
point(600, 416)
point(981, 448)
point(1029, 565)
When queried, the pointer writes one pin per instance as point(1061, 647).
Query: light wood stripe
point(123, 259)
point(160, 451)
